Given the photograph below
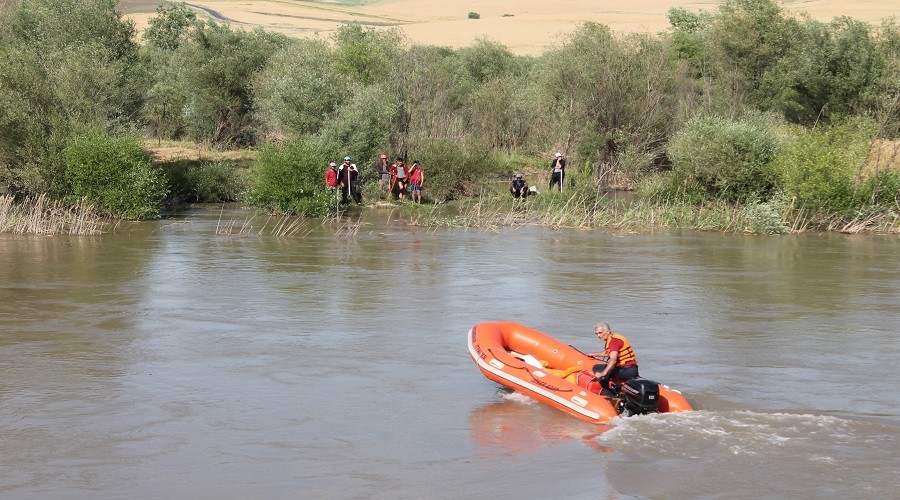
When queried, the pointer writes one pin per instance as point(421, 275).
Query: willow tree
point(65, 65)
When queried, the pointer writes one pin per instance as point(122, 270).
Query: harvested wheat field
point(525, 26)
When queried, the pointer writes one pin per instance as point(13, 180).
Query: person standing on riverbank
point(347, 175)
point(622, 363)
point(331, 176)
point(383, 173)
point(399, 178)
point(557, 171)
point(416, 181)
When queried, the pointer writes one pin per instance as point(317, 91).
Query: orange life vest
point(626, 355)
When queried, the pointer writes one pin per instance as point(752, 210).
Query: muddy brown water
point(164, 361)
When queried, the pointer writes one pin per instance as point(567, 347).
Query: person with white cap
point(518, 187)
point(557, 170)
point(331, 176)
point(347, 174)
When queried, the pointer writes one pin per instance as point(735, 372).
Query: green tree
point(819, 167)
point(835, 71)
point(366, 55)
point(172, 23)
point(432, 87)
point(213, 70)
point(64, 65)
point(487, 60)
point(689, 36)
point(622, 90)
point(299, 90)
point(358, 129)
point(747, 39)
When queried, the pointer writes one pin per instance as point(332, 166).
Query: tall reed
point(40, 215)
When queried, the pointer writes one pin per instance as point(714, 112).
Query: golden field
point(524, 26)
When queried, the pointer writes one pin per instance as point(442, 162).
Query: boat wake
point(804, 454)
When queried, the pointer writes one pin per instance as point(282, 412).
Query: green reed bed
point(285, 226)
point(593, 210)
point(40, 215)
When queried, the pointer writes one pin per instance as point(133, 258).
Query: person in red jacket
point(622, 364)
point(331, 176)
point(416, 181)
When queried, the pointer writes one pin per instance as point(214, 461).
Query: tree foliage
point(173, 22)
point(64, 65)
point(215, 68)
point(819, 167)
point(366, 56)
point(300, 90)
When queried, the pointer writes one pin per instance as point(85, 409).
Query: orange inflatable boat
point(535, 364)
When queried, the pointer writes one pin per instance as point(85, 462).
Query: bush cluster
point(115, 174)
point(288, 179)
point(717, 158)
point(193, 181)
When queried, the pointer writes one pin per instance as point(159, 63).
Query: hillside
point(525, 26)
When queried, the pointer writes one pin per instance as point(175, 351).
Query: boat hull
point(492, 345)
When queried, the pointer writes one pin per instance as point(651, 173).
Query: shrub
point(116, 175)
point(288, 179)
point(474, 15)
point(818, 166)
point(203, 181)
point(724, 159)
point(452, 171)
point(764, 218)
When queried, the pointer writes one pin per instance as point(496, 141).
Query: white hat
point(332, 164)
point(558, 155)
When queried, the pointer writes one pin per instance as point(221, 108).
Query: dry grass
point(162, 151)
point(525, 26)
point(39, 215)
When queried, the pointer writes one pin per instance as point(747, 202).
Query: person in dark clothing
point(347, 175)
point(383, 173)
point(518, 187)
point(557, 170)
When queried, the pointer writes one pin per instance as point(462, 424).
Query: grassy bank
point(609, 212)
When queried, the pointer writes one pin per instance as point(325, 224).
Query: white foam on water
point(825, 454)
point(519, 398)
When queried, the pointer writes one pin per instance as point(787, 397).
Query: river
point(164, 360)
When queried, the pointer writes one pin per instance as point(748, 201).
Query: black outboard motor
point(641, 396)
